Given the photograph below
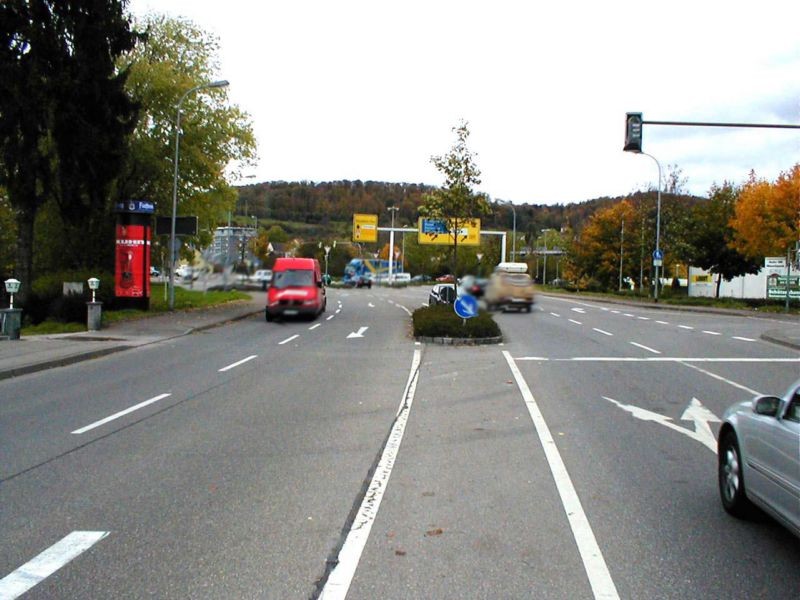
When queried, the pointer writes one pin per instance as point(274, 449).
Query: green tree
point(176, 57)
point(711, 237)
point(457, 202)
point(64, 116)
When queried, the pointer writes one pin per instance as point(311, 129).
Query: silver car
point(759, 457)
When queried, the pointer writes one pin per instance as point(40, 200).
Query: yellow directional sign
point(439, 231)
point(365, 228)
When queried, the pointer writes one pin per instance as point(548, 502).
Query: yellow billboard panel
point(365, 228)
point(440, 231)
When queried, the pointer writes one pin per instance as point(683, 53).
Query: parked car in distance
point(400, 278)
point(448, 278)
point(264, 277)
point(364, 280)
point(421, 278)
point(442, 293)
point(187, 272)
point(154, 271)
point(758, 455)
point(510, 286)
point(296, 289)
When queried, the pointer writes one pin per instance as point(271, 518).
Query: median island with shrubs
point(441, 322)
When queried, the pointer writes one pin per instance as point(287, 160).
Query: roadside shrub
point(48, 302)
point(441, 321)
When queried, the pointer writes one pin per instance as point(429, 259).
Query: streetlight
point(213, 84)
point(657, 254)
point(513, 230)
point(544, 271)
point(392, 209)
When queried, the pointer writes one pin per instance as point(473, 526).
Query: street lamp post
point(656, 261)
point(392, 209)
point(213, 84)
point(544, 270)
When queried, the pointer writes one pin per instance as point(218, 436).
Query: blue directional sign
point(658, 254)
point(466, 306)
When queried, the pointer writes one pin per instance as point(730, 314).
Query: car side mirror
point(767, 405)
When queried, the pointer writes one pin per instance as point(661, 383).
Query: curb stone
point(447, 341)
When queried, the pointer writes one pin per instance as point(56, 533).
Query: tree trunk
point(719, 283)
point(24, 266)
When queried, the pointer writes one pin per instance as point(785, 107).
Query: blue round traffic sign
point(466, 306)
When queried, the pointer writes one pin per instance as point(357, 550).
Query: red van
point(296, 288)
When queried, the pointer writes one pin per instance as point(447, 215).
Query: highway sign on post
point(365, 228)
point(440, 232)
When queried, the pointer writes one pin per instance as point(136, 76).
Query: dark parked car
point(759, 457)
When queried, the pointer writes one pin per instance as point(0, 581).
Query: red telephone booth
point(132, 259)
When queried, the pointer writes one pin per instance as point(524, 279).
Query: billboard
point(365, 228)
point(132, 261)
point(439, 231)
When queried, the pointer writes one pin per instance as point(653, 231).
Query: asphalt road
point(338, 457)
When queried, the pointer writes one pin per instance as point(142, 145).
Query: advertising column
point(132, 254)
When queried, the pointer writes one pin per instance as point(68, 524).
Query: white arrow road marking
point(358, 334)
point(593, 562)
point(699, 412)
point(579, 310)
point(121, 413)
point(48, 562)
point(702, 417)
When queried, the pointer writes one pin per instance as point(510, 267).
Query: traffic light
point(633, 132)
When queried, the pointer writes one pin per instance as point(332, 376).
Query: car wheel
point(731, 478)
point(269, 316)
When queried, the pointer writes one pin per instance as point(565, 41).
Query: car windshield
point(293, 278)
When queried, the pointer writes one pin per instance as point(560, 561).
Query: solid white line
point(289, 339)
point(721, 378)
point(236, 364)
point(645, 348)
point(601, 331)
point(314, 326)
point(661, 359)
point(743, 339)
point(341, 577)
point(48, 562)
point(576, 322)
point(711, 332)
point(593, 562)
point(122, 413)
point(685, 327)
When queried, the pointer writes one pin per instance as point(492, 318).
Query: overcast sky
point(370, 90)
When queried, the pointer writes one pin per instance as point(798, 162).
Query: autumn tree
point(457, 203)
point(711, 236)
point(766, 216)
point(596, 254)
point(176, 57)
point(64, 116)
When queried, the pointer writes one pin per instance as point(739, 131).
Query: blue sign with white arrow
point(466, 306)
